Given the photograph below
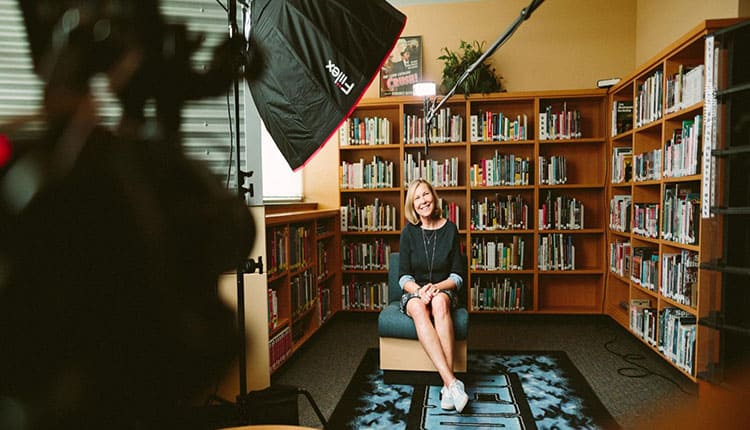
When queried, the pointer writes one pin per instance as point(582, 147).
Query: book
point(624, 116)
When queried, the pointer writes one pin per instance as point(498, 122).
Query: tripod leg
point(314, 406)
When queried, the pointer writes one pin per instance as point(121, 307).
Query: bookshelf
point(484, 160)
point(656, 237)
point(303, 272)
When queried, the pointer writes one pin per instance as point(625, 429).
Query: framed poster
point(403, 68)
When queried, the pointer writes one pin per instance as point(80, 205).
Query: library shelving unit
point(303, 270)
point(656, 237)
point(515, 171)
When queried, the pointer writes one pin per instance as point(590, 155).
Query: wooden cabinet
point(502, 164)
point(656, 236)
point(302, 252)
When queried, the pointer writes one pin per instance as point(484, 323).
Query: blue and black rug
point(507, 390)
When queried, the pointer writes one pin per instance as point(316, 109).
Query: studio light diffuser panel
point(318, 58)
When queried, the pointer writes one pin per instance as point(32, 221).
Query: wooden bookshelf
point(456, 159)
point(664, 235)
point(304, 277)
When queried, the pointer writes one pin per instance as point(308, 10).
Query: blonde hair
point(409, 212)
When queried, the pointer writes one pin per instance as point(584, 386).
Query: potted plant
point(482, 80)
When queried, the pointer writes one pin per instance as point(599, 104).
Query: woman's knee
point(441, 305)
point(415, 308)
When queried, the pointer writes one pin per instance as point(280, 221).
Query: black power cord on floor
point(639, 370)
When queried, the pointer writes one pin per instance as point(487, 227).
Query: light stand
point(241, 190)
point(242, 402)
point(431, 108)
point(272, 396)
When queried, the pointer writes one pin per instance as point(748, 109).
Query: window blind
point(205, 124)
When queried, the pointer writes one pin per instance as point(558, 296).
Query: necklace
point(426, 242)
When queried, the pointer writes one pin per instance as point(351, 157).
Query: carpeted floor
point(633, 383)
point(520, 390)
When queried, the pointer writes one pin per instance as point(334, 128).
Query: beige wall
point(566, 44)
point(658, 23)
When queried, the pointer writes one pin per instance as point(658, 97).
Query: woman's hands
point(427, 292)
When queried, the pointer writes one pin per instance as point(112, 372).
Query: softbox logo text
point(340, 78)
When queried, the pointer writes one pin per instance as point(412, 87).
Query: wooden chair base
point(408, 354)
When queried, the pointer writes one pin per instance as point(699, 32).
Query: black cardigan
point(413, 259)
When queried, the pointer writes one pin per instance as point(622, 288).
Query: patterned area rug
point(521, 390)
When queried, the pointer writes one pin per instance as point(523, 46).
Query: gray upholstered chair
point(400, 349)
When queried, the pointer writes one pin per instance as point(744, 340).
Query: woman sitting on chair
point(431, 271)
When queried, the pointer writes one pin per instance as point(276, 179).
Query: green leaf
point(482, 80)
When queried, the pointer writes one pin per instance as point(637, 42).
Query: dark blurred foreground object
point(112, 241)
point(316, 59)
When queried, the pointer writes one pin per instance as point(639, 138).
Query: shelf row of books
point(488, 254)
point(679, 271)
point(619, 213)
point(445, 128)
point(491, 126)
point(440, 173)
point(500, 170)
point(680, 157)
point(326, 311)
point(643, 320)
point(619, 258)
point(553, 171)
point(365, 131)
point(670, 330)
point(273, 309)
point(501, 213)
point(644, 267)
point(681, 217)
point(369, 217)
point(279, 348)
point(684, 88)
point(486, 126)
point(677, 330)
point(276, 256)
point(622, 164)
point(561, 213)
point(496, 294)
point(378, 173)
point(679, 277)
point(365, 255)
point(681, 150)
point(565, 124)
point(451, 211)
point(303, 292)
point(646, 220)
point(648, 102)
point(300, 246)
point(322, 261)
point(364, 295)
point(647, 166)
point(556, 252)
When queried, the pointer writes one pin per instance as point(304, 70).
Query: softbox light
point(315, 59)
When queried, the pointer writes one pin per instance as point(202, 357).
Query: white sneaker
point(458, 395)
point(446, 401)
